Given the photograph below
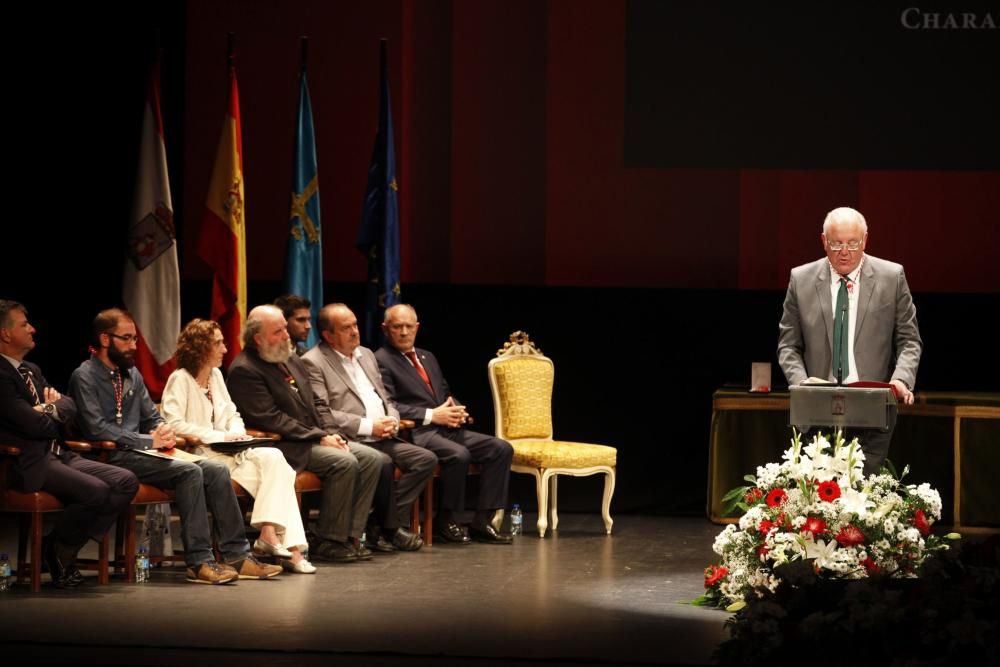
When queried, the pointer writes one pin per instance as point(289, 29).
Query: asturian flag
point(304, 263)
point(152, 285)
point(222, 243)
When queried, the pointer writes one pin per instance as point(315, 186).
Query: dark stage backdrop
point(591, 172)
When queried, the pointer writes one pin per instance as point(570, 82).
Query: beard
point(275, 354)
point(124, 360)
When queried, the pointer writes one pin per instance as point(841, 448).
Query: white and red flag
point(151, 290)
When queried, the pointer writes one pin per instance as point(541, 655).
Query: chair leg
point(23, 534)
point(119, 553)
point(128, 563)
point(102, 559)
point(36, 552)
point(542, 489)
point(609, 490)
point(554, 501)
point(429, 512)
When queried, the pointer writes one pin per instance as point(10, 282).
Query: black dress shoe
point(381, 545)
point(451, 532)
point(404, 540)
point(376, 542)
point(489, 535)
point(62, 569)
point(333, 552)
point(363, 552)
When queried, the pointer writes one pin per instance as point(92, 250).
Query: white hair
point(844, 215)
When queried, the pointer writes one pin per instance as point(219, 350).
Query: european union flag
point(304, 263)
point(378, 237)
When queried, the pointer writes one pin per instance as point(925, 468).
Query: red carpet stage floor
point(577, 598)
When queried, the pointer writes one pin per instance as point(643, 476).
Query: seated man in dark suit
point(415, 382)
point(115, 405)
point(31, 412)
point(346, 379)
point(270, 386)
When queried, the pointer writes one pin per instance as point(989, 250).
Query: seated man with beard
point(114, 404)
point(270, 386)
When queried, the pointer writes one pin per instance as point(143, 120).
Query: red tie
point(412, 356)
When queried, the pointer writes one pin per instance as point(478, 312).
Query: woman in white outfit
point(196, 403)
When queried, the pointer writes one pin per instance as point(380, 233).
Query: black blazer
point(26, 428)
point(407, 388)
point(267, 402)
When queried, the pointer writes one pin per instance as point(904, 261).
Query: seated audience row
point(336, 413)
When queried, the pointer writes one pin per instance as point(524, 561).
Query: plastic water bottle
point(4, 573)
point(142, 565)
point(516, 520)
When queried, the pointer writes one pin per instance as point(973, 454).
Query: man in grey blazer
point(849, 317)
point(346, 378)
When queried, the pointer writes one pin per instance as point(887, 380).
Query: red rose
point(714, 574)
point(762, 551)
point(870, 565)
point(766, 526)
point(753, 495)
point(814, 525)
point(920, 521)
point(776, 497)
point(828, 491)
point(850, 536)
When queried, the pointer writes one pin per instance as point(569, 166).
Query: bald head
point(339, 328)
point(400, 326)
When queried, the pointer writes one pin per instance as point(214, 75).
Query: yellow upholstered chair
point(521, 379)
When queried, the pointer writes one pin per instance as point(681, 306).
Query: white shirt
point(374, 408)
point(852, 315)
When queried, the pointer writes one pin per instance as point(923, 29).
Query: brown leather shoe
point(251, 568)
point(211, 572)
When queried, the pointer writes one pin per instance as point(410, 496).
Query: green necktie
point(841, 366)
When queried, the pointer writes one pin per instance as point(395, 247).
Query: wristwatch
point(49, 409)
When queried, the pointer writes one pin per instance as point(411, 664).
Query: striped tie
point(26, 374)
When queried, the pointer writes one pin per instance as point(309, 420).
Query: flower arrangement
point(817, 506)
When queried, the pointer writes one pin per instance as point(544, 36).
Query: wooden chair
point(31, 507)
point(521, 380)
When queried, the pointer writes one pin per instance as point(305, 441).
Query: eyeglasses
point(128, 338)
point(837, 246)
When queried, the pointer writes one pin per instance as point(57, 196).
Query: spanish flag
point(223, 229)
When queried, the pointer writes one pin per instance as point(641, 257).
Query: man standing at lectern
point(849, 317)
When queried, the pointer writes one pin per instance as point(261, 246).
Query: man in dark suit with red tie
point(31, 413)
point(417, 385)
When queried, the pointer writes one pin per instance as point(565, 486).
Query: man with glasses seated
point(849, 317)
point(114, 404)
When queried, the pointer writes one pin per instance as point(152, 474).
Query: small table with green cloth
point(950, 440)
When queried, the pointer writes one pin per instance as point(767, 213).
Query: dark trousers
point(455, 449)
point(874, 443)
point(200, 487)
point(93, 493)
point(393, 499)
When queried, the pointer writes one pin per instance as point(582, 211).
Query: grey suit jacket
point(887, 343)
point(332, 385)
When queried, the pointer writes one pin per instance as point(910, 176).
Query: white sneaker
point(302, 567)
